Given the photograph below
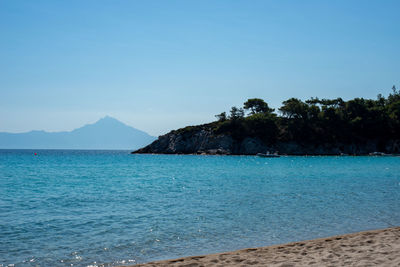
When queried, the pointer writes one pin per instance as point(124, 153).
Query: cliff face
point(203, 140)
point(193, 142)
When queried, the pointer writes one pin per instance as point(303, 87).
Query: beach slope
point(369, 248)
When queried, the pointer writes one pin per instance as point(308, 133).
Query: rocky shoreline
point(204, 141)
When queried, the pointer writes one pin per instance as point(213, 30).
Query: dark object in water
point(268, 155)
point(378, 154)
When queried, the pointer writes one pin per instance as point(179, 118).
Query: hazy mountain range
point(106, 133)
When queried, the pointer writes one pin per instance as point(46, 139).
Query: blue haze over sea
point(81, 208)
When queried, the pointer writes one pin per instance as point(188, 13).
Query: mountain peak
point(107, 120)
point(106, 133)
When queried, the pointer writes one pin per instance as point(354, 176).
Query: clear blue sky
point(160, 65)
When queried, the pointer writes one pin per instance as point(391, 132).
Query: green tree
point(294, 108)
point(236, 113)
point(221, 116)
point(257, 105)
point(263, 126)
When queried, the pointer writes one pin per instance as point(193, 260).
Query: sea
point(110, 208)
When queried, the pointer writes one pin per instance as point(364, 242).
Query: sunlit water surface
point(80, 208)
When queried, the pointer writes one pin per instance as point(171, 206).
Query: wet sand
point(370, 248)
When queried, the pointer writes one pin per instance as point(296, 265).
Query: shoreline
point(281, 155)
point(368, 248)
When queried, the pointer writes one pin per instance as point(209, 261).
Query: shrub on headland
point(315, 120)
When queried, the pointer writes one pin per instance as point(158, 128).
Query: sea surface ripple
point(107, 208)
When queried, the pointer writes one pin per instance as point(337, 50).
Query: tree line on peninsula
point(315, 120)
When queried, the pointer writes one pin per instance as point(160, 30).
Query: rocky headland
point(314, 127)
point(203, 140)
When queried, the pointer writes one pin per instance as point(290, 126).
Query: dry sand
point(370, 248)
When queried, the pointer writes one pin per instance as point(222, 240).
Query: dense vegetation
point(315, 120)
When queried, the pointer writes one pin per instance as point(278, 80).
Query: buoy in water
point(35, 154)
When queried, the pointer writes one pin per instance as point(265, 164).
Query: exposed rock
point(252, 146)
point(202, 140)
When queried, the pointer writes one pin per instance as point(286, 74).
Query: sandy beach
point(369, 248)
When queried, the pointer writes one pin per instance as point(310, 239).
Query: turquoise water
point(80, 208)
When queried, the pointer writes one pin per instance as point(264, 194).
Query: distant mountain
point(106, 133)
